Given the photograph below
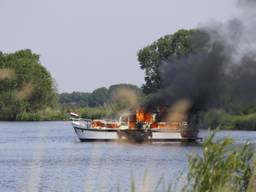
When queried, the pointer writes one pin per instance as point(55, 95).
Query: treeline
point(102, 102)
point(102, 96)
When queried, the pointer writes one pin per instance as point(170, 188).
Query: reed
point(223, 166)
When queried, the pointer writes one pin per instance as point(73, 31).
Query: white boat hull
point(87, 133)
point(84, 134)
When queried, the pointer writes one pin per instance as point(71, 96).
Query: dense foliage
point(81, 99)
point(25, 85)
point(102, 102)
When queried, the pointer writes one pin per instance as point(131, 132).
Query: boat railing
point(86, 122)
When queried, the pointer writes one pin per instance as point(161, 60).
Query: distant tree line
point(103, 96)
point(102, 102)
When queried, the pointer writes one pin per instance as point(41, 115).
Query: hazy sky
point(87, 44)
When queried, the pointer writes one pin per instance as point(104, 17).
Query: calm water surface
point(47, 156)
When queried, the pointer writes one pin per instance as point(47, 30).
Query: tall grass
point(215, 117)
point(47, 114)
point(62, 113)
point(107, 111)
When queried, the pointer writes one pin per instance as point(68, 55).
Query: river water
point(47, 156)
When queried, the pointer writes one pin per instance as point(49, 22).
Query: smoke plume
point(224, 68)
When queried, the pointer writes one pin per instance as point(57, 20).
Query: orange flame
point(98, 124)
point(141, 115)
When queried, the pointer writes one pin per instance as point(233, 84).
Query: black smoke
point(222, 70)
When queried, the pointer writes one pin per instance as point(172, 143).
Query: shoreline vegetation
point(208, 120)
point(28, 92)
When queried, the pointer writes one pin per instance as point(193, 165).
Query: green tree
point(99, 96)
point(26, 85)
point(123, 95)
point(177, 45)
point(75, 99)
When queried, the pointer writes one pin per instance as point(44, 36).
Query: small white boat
point(85, 132)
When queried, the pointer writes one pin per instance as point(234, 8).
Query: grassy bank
point(62, 113)
point(47, 114)
point(215, 118)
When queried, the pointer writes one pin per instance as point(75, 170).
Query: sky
point(87, 44)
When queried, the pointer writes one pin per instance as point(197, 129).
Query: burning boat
point(138, 126)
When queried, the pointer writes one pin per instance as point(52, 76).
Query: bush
point(223, 167)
